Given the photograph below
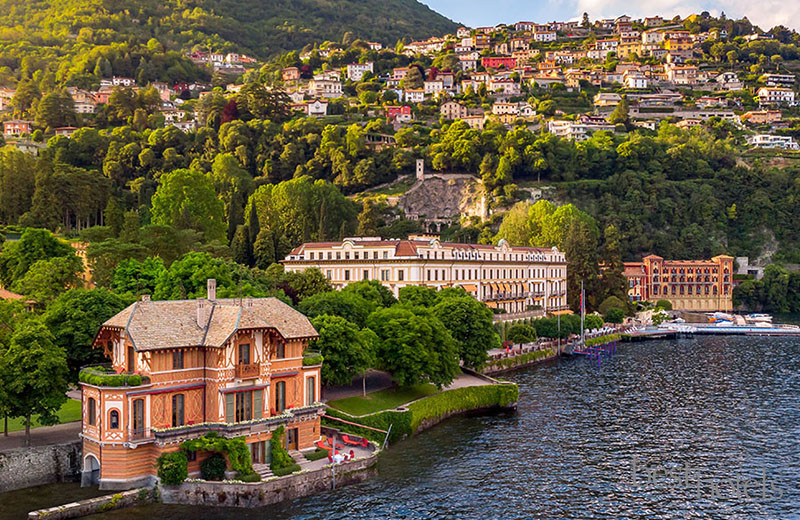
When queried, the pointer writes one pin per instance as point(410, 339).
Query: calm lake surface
point(721, 414)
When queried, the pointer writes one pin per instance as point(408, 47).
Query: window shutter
point(230, 407)
point(258, 403)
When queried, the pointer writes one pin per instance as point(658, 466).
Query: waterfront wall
point(513, 362)
point(34, 466)
point(93, 506)
point(258, 494)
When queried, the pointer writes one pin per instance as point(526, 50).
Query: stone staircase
point(263, 470)
point(300, 458)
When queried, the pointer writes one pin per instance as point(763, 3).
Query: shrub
point(316, 454)
point(213, 468)
point(280, 457)
point(288, 470)
point(173, 468)
point(664, 304)
point(614, 315)
point(251, 477)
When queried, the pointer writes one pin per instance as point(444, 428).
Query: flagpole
point(583, 316)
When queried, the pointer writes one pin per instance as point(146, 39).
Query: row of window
point(247, 406)
point(687, 289)
point(430, 255)
point(356, 255)
point(244, 355)
point(385, 274)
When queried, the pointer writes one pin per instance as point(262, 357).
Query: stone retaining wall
point(259, 494)
point(34, 466)
point(92, 506)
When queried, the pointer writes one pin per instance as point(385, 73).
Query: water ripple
point(725, 409)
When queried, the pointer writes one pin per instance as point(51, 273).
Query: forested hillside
point(68, 31)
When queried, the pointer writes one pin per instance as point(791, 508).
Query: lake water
point(712, 425)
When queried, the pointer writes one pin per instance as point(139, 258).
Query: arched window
point(92, 411)
point(113, 420)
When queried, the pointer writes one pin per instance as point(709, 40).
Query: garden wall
point(26, 467)
point(258, 494)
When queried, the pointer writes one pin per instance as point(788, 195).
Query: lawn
point(382, 399)
point(70, 411)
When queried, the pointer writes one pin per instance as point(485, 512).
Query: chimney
point(212, 289)
point(145, 297)
point(202, 313)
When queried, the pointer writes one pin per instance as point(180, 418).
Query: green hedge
point(312, 358)
point(523, 359)
point(405, 423)
point(316, 455)
point(469, 398)
point(99, 376)
point(287, 470)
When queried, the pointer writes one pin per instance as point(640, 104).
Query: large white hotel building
point(502, 276)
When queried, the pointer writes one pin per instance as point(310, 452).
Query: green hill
point(72, 33)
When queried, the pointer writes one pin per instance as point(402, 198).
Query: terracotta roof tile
point(153, 325)
point(8, 295)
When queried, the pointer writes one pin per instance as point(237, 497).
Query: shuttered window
point(230, 408)
point(258, 403)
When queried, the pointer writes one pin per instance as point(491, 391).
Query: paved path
point(464, 380)
point(42, 436)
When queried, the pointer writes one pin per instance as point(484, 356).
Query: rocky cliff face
point(442, 197)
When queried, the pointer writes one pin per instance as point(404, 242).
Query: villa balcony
point(249, 371)
point(165, 436)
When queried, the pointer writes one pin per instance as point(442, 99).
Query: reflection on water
point(726, 408)
point(15, 505)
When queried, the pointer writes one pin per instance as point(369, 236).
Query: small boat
point(758, 318)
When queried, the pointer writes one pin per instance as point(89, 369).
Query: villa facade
point(181, 369)
point(505, 277)
point(692, 285)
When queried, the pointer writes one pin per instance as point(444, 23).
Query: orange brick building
point(693, 285)
point(235, 367)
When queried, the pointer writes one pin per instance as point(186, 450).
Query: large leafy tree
point(134, 277)
point(417, 296)
point(34, 245)
point(186, 199)
point(34, 375)
point(74, 319)
point(470, 323)
point(347, 305)
point(348, 351)
point(373, 291)
point(415, 346)
point(46, 279)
